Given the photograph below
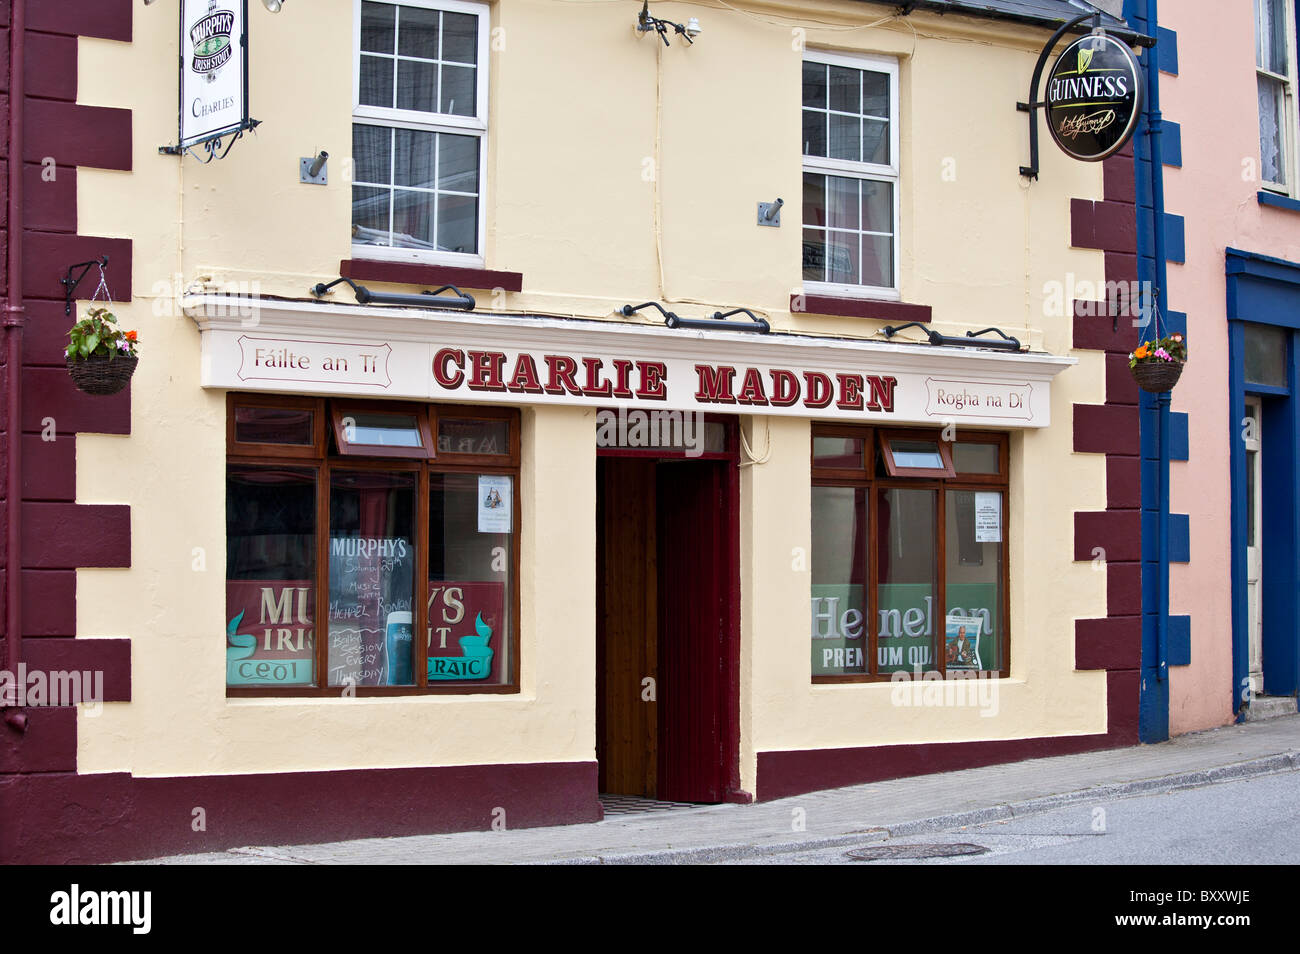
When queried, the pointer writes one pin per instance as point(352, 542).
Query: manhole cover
point(909, 852)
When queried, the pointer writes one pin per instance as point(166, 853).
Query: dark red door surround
point(1112, 643)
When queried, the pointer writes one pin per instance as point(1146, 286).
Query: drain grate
point(912, 852)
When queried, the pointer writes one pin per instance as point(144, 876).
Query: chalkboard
point(370, 603)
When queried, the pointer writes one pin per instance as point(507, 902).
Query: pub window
point(850, 174)
point(360, 560)
point(419, 132)
point(909, 553)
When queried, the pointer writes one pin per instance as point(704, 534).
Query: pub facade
point(540, 401)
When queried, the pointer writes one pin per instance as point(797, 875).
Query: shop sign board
point(213, 70)
point(881, 383)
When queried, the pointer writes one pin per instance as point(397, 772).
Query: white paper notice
point(495, 495)
point(988, 518)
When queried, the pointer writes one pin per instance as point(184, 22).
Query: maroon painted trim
point(859, 308)
point(76, 135)
point(112, 657)
point(1118, 533)
point(1106, 429)
point(67, 818)
point(1114, 642)
point(70, 536)
point(107, 19)
point(409, 273)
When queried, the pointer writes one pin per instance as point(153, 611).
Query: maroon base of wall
point(61, 818)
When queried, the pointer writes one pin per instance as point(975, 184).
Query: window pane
point(370, 210)
point(844, 453)
point(976, 458)
point(412, 219)
point(875, 141)
point(1272, 147)
point(1265, 355)
point(814, 133)
point(842, 258)
point(457, 223)
point(371, 578)
point(270, 576)
point(417, 33)
point(973, 577)
point(878, 261)
point(458, 163)
point(814, 85)
point(814, 255)
point(415, 158)
point(372, 153)
point(845, 137)
point(459, 38)
point(814, 199)
point(875, 95)
point(846, 90)
point(877, 206)
point(839, 606)
point(381, 430)
point(377, 21)
point(843, 202)
point(417, 85)
point(457, 436)
point(916, 454)
point(906, 594)
point(376, 81)
point(1270, 26)
point(274, 425)
point(471, 584)
point(457, 91)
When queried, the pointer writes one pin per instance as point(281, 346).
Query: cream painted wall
point(573, 119)
point(1214, 98)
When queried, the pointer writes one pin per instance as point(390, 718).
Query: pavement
point(846, 817)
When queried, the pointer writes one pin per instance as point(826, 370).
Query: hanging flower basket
point(101, 357)
point(100, 374)
point(1157, 365)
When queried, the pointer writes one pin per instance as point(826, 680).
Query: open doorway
point(667, 670)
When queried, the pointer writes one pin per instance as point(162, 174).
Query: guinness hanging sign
point(1093, 97)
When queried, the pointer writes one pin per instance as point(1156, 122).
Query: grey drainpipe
point(14, 319)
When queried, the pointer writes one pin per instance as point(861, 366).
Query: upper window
point(909, 553)
point(850, 174)
point(419, 130)
point(1276, 77)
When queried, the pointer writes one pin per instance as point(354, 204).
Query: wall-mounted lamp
point(1006, 344)
point(718, 322)
point(428, 299)
point(645, 23)
point(273, 5)
point(312, 169)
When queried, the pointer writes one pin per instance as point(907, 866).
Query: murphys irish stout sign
point(214, 90)
point(1094, 97)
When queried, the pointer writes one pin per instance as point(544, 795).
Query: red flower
point(131, 336)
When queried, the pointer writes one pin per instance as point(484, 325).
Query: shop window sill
point(1279, 201)
point(409, 273)
point(846, 307)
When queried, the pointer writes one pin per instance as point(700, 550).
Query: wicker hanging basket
point(101, 375)
point(1157, 377)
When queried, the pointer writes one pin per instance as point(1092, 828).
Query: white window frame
point(860, 170)
point(432, 122)
point(1290, 165)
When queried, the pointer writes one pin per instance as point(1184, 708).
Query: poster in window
point(961, 639)
point(270, 636)
point(467, 626)
point(495, 499)
point(370, 628)
point(988, 518)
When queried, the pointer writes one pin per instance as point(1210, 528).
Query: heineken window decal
point(213, 75)
point(1093, 97)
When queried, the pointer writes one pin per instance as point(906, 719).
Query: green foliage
point(1171, 348)
point(97, 335)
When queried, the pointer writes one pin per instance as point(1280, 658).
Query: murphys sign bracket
point(1093, 98)
point(213, 78)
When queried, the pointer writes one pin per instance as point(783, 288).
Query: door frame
point(730, 456)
